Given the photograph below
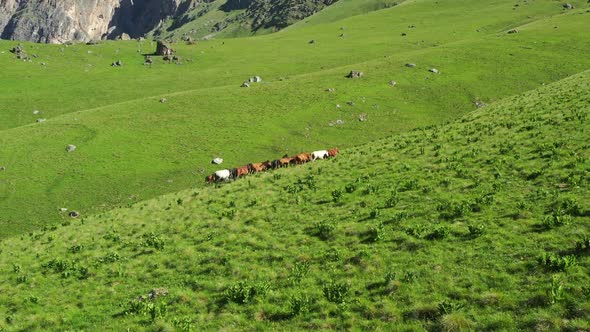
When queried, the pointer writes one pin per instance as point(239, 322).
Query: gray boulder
point(355, 74)
point(433, 70)
point(217, 161)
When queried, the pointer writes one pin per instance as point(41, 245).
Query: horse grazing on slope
point(333, 152)
point(218, 176)
point(242, 171)
point(302, 158)
point(256, 167)
point(321, 154)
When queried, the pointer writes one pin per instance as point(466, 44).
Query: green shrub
point(335, 292)
point(299, 304)
point(75, 249)
point(153, 240)
point(374, 214)
point(350, 188)
point(447, 307)
point(583, 245)
point(336, 195)
point(476, 230)
point(557, 263)
point(438, 233)
point(111, 257)
point(324, 230)
point(392, 200)
point(299, 271)
point(556, 292)
point(184, 324)
point(376, 233)
point(244, 292)
point(557, 219)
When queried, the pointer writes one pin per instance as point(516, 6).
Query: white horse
point(319, 154)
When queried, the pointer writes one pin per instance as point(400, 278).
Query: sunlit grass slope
point(132, 147)
point(479, 224)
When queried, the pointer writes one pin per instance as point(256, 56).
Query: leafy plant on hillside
point(583, 245)
point(335, 292)
point(438, 233)
point(299, 271)
point(324, 230)
point(449, 210)
point(244, 292)
point(146, 308)
point(376, 233)
point(556, 291)
point(556, 219)
point(447, 307)
point(557, 263)
point(336, 195)
point(153, 240)
point(299, 304)
point(476, 230)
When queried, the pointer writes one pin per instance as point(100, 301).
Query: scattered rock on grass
point(157, 292)
point(2, 168)
point(255, 79)
point(392, 83)
point(217, 161)
point(355, 74)
point(74, 214)
point(480, 104)
point(511, 31)
point(363, 117)
point(36, 112)
point(117, 63)
point(568, 6)
point(330, 90)
point(163, 100)
point(41, 120)
point(70, 148)
point(410, 65)
point(433, 70)
point(245, 85)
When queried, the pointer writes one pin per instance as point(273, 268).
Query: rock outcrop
point(59, 21)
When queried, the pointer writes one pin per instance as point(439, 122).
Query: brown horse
point(285, 161)
point(256, 167)
point(242, 171)
point(302, 158)
point(333, 152)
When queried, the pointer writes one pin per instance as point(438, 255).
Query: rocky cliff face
point(58, 21)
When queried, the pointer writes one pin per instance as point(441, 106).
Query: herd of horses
point(299, 159)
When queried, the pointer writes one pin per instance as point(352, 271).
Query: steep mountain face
point(58, 21)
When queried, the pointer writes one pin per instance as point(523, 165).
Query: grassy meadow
point(482, 223)
point(131, 147)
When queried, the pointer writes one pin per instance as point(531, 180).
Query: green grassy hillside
point(132, 147)
point(479, 224)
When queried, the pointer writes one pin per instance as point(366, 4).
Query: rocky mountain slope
point(58, 21)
